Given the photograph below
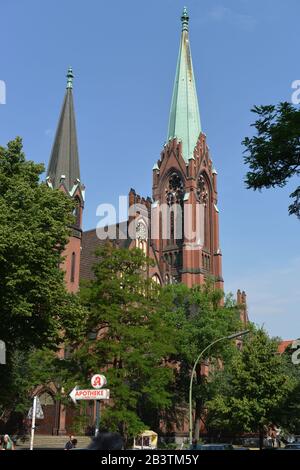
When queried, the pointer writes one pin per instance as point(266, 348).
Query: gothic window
point(141, 237)
point(73, 266)
point(167, 279)
point(172, 225)
point(143, 246)
point(203, 196)
point(174, 198)
point(202, 190)
point(156, 279)
point(206, 261)
point(174, 190)
point(46, 399)
point(77, 211)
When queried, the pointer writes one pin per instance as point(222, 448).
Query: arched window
point(73, 266)
point(142, 245)
point(77, 212)
point(172, 225)
point(156, 279)
point(46, 399)
point(174, 198)
point(141, 237)
point(203, 194)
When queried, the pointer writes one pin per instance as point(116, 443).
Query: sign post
point(33, 422)
point(36, 411)
point(97, 417)
point(97, 381)
point(97, 393)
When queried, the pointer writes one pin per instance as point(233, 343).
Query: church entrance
point(46, 426)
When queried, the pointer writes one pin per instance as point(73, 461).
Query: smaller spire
point(70, 77)
point(185, 19)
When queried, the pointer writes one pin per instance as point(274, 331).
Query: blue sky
point(124, 54)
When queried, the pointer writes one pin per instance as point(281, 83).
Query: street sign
point(2, 352)
point(98, 380)
point(89, 394)
point(39, 414)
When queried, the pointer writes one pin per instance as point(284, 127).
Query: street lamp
point(235, 335)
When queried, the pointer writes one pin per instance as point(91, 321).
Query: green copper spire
point(70, 77)
point(184, 121)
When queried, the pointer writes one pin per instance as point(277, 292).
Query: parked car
point(293, 446)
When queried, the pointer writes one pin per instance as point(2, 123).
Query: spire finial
point(70, 77)
point(185, 19)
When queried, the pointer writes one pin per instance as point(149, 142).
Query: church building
point(178, 227)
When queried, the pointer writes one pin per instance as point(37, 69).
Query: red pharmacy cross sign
point(98, 381)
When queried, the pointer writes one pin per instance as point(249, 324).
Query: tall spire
point(64, 160)
point(184, 121)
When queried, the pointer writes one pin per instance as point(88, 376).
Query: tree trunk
point(199, 405)
point(261, 437)
point(198, 416)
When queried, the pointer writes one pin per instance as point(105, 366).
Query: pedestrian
point(69, 445)
point(8, 443)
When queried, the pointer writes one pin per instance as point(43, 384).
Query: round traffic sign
point(98, 381)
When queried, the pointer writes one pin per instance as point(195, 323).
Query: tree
point(127, 339)
point(255, 389)
point(273, 155)
point(289, 414)
point(200, 316)
point(36, 310)
point(34, 220)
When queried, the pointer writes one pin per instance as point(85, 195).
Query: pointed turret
point(64, 160)
point(184, 122)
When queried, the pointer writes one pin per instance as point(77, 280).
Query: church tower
point(184, 211)
point(64, 174)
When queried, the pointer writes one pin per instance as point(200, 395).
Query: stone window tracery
point(174, 190)
point(141, 237)
point(202, 190)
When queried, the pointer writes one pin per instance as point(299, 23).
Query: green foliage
point(289, 413)
point(134, 339)
point(256, 385)
point(27, 370)
point(198, 316)
point(81, 419)
point(273, 155)
point(35, 307)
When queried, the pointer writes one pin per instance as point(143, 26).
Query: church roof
point(64, 160)
point(91, 241)
point(184, 121)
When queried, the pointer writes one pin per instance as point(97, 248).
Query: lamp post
point(235, 335)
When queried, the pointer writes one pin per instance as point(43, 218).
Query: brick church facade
point(178, 227)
